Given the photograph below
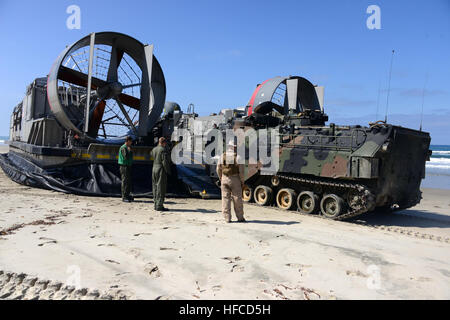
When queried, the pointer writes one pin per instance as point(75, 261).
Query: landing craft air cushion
point(66, 133)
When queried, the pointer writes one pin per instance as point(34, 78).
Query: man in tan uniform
point(231, 175)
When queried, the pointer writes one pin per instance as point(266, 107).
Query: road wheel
point(247, 194)
point(354, 200)
point(307, 202)
point(286, 199)
point(263, 195)
point(275, 181)
point(331, 206)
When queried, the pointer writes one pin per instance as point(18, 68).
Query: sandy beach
point(131, 251)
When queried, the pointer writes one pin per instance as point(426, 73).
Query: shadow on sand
point(192, 210)
point(273, 222)
point(143, 201)
point(406, 218)
point(151, 201)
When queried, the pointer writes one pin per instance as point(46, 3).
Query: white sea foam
point(439, 161)
point(441, 152)
point(438, 166)
point(441, 170)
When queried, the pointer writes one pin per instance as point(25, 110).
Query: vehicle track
point(20, 286)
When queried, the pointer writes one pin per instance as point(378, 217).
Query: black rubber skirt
point(103, 179)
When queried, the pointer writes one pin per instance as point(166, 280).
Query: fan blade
point(79, 78)
point(131, 85)
point(130, 101)
point(114, 62)
point(96, 118)
point(125, 113)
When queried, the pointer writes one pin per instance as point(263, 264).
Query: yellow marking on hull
point(197, 162)
point(138, 158)
point(86, 155)
point(103, 156)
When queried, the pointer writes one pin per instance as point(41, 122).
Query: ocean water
point(440, 160)
point(3, 139)
point(438, 168)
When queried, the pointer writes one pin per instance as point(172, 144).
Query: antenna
point(423, 100)
point(378, 99)
point(389, 87)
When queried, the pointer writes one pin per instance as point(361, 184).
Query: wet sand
point(190, 253)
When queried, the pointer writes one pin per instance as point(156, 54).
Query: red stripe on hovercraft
point(252, 100)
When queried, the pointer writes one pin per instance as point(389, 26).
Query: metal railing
point(328, 142)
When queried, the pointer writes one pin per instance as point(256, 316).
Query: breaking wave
point(439, 166)
point(3, 139)
point(441, 152)
point(439, 161)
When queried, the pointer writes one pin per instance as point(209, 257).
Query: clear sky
point(213, 53)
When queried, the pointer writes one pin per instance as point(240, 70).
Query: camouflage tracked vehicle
point(338, 171)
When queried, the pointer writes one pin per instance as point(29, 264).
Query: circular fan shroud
point(129, 46)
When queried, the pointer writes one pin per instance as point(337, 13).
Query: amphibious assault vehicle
point(336, 170)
